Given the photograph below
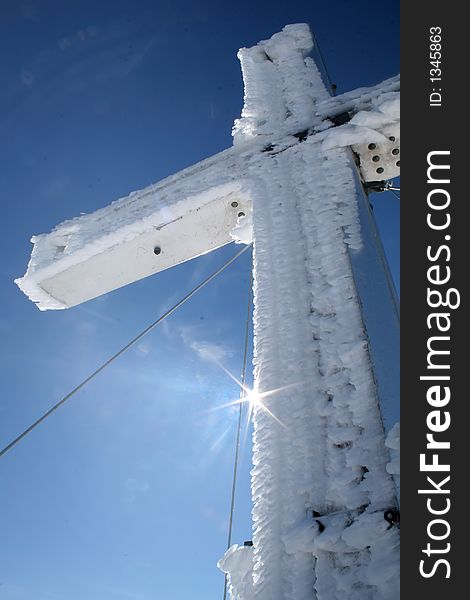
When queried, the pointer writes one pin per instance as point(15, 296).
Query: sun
point(252, 397)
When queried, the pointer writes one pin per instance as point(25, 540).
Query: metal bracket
point(379, 161)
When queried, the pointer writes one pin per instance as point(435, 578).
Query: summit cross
point(325, 477)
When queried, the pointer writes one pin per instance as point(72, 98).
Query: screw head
point(395, 151)
point(376, 158)
point(234, 204)
point(380, 170)
point(392, 516)
point(157, 250)
point(372, 146)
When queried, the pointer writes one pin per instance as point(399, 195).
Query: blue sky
point(124, 492)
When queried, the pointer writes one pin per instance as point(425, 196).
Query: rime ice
point(327, 456)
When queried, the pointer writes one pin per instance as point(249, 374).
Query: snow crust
point(359, 99)
point(350, 134)
point(366, 126)
point(238, 563)
point(282, 85)
point(242, 233)
point(77, 240)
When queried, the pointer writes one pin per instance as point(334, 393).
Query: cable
point(124, 349)
point(317, 46)
point(240, 410)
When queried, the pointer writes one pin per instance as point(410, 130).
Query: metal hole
point(342, 445)
point(398, 163)
point(157, 250)
point(376, 158)
point(372, 146)
point(395, 151)
point(380, 170)
point(392, 516)
point(241, 214)
point(234, 204)
point(392, 138)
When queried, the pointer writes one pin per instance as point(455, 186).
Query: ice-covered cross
point(325, 319)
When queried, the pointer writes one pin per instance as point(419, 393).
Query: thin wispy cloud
point(97, 314)
point(135, 488)
point(214, 352)
point(211, 352)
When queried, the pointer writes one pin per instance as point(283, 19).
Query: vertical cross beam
point(320, 483)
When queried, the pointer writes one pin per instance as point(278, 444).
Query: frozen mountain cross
point(325, 321)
